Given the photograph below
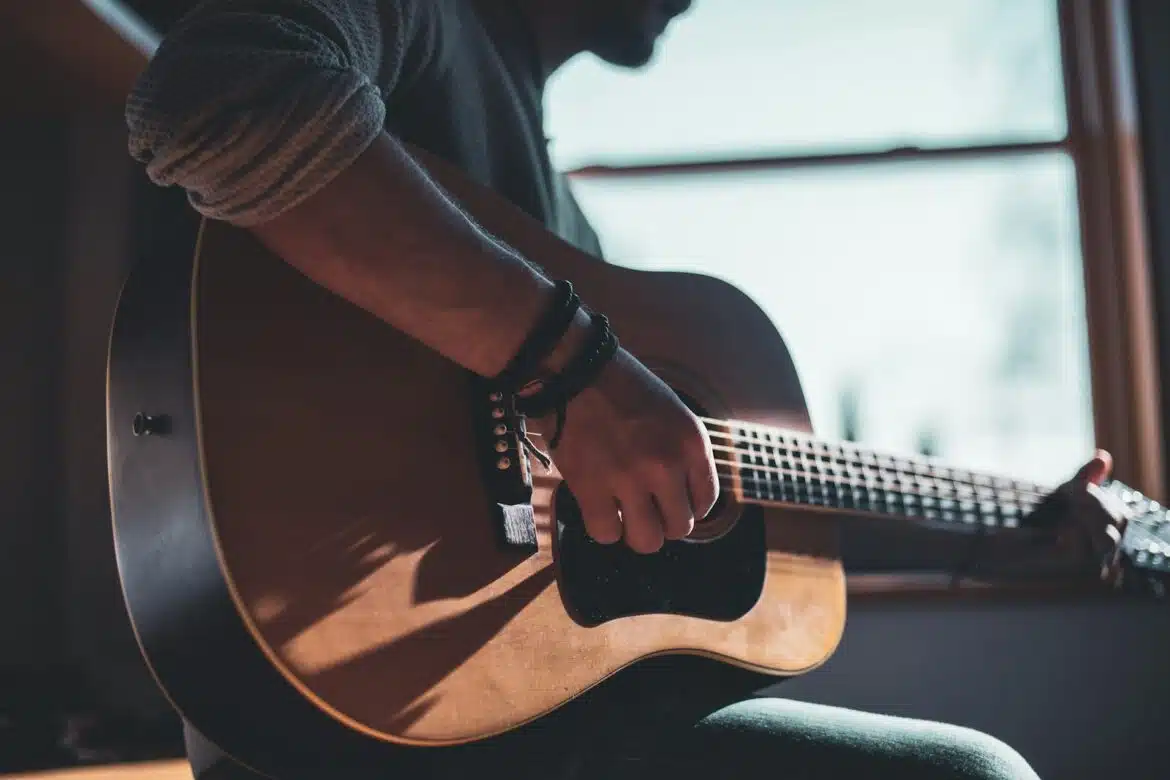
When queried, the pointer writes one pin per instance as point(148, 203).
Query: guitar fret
point(780, 467)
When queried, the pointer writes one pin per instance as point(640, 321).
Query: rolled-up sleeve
point(254, 105)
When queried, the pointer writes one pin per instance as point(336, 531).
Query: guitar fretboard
point(782, 467)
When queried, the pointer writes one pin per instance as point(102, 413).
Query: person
point(296, 119)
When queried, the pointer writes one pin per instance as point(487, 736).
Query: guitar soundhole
point(719, 580)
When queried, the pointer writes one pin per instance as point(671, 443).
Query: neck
point(555, 30)
point(775, 467)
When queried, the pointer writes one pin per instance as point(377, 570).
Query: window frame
point(1103, 142)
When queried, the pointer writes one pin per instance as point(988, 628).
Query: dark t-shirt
point(476, 100)
point(252, 105)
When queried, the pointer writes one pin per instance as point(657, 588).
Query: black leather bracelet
point(557, 391)
point(542, 339)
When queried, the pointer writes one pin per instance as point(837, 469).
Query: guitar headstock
point(1140, 560)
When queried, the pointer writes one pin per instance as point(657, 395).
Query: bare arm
point(384, 236)
point(270, 114)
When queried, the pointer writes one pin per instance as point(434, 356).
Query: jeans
point(712, 728)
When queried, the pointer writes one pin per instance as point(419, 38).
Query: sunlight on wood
point(153, 770)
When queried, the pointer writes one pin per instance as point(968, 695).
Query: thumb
point(1096, 470)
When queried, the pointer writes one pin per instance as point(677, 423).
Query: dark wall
point(34, 161)
point(104, 223)
point(67, 220)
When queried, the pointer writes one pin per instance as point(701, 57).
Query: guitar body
point(304, 533)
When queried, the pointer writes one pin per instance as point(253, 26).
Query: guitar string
point(940, 484)
point(758, 484)
point(976, 479)
point(812, 442)
point(978, 491)
point(904, 476)
point(875, 508)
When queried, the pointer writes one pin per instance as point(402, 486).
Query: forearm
point(382, 235)
point(268, 114)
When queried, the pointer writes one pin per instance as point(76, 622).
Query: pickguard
point(721, 579)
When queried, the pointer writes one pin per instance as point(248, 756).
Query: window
point(891, 181)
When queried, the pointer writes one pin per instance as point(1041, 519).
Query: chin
point(629, 53)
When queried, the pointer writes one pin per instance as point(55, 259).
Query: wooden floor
point(161, 770)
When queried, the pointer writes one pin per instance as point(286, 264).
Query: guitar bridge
point(504, 463)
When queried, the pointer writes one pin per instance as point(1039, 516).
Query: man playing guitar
point(309, 122)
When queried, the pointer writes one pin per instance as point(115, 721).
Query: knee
point(820, 741)
point(966, 754)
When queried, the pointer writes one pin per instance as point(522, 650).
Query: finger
point(641, 522)
point(1096, 470)
point(674, 504)
point(602, 521)
point(702, 480)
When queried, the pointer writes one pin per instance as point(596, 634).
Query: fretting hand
point(1086, 523)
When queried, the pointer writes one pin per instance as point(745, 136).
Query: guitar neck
point(776, 467)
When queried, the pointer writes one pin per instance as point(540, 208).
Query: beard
point(626, 33)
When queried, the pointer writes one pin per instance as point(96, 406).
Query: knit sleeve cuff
point(253, 111)
point(250, 163)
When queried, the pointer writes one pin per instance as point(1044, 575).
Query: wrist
point(555, 390)
point(565, 351)
point(544, 337)
point(569, 345)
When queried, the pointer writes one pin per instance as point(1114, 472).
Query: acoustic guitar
point(332, 539)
